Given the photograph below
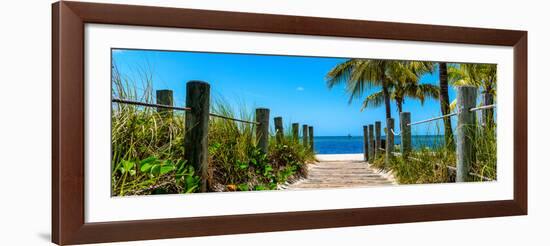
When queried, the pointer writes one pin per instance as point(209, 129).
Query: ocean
point(354, 144)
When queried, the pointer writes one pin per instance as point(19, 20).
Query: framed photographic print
point(176, 122)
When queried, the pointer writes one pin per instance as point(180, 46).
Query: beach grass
point(147, 149)
point(429, 164)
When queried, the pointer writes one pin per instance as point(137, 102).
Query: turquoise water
point(353, 145)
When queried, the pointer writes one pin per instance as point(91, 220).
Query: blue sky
point(290, 86)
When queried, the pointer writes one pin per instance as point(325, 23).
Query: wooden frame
point(68, 224)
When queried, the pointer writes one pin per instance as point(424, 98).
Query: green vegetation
point(398, 80)
point(420, 167)
point(405, 78)
point(431, 165)
point(236, 162)
point(147, 149)
point(483, 76)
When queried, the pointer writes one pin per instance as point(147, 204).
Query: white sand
point(339, 157)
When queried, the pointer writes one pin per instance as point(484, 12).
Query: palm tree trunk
point(399, 103)
point(386, 98)
point(444, 101)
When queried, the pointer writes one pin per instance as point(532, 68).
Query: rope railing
point(451, 114)
point(233, 119)
point(153, 105)
point(432, 119)
point(483, 107)
point(395, 134)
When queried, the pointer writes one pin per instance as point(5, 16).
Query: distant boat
point(349, 135)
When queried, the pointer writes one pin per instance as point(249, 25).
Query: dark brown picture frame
point(68, 224)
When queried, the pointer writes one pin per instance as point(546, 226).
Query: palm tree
point(445, 106)
point(359, 75)
point(408, 84)
point(405, 83)
point(483, 76)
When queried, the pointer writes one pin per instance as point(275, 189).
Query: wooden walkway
point(341, 174)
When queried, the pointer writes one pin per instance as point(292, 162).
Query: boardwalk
point(333, 171)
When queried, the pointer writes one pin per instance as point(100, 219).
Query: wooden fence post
point(389, 140)
point(279, 134)
point(295, 131)
point(371, 142)
point(196, 129)
point(311, 138)
point(165, 97)
point(373, 145)
point(366, 143)
point(304, 135)
point(465, 132)
point(262, 130)
point(404, 121)
point(378, 142)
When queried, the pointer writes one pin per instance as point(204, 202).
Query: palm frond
point(373, 100)
point(480, 75)
point(341, 73)
point(429, 90)
point(358, 75)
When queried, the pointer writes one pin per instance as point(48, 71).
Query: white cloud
point(299, 88)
